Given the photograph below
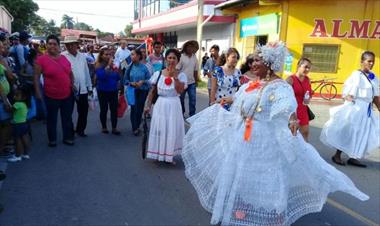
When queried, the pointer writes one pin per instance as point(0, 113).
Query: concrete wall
point(220, 34)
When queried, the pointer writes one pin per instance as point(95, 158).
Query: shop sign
point(260, 25)
point(358, 29)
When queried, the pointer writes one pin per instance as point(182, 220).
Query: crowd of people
point(257, 166)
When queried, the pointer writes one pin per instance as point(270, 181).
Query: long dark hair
point(99, 60)
point(245, 67)
point(223, 58)
point(138, 53)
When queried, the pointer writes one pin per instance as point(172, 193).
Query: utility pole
point(199, 35)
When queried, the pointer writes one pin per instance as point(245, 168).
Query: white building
point(174, 22)
point(5, 19)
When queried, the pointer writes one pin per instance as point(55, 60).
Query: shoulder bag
point(155, 89)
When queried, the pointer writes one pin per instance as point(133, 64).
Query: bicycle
point(327, 89)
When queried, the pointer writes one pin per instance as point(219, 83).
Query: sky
point(107, 15)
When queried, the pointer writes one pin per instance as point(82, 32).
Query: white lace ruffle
point(272, 180)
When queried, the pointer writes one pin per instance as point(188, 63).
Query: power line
point(89, 14)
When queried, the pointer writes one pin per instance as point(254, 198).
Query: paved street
point(102, 180)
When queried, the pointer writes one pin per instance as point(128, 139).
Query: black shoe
point(116, 132)
point(337, 162)
point(105, 131)
point(355, 162)
point(68, 142)
point(2, 175)
point(82, 134)
point(52, 144)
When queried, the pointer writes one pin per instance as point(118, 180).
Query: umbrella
point(145, 136)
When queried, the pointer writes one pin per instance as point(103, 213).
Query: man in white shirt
point(188, 64)
point(122, 56)
point(82, 81)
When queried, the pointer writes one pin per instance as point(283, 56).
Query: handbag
point(310, 114)
point(122, 106)
point(309, 111)
point(155, 90)
point(130, 94)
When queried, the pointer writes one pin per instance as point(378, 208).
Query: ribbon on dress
point(369, 111)
point(248, 129)
point(252, 86)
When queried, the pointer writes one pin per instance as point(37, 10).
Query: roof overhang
point(190, 22)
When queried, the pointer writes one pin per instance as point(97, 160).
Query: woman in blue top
point(137, 75)
point(225, 80)
point(107, 79)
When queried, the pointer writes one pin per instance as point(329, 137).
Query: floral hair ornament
point(273, 54)
point(168, 81)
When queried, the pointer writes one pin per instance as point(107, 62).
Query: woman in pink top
point(58, 90)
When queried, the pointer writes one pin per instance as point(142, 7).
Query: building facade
point(5, 19)
point(174, 22)
point(333, 33)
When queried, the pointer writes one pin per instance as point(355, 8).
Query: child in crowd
point(20, 127)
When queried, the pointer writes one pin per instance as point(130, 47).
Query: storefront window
point(324, 57)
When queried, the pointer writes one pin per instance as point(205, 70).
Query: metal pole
point(199, 35)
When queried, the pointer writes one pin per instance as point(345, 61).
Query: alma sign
point(357, 29)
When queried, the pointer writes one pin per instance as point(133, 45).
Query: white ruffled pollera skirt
point(350, 130)
point(272, 180)
point(167, 129)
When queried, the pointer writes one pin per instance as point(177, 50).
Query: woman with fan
point(302, 90)
point(354, 127)
point(167, 128)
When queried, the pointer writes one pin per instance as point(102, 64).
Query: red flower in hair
point(168, 81)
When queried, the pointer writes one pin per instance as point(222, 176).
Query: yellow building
point(332, 33)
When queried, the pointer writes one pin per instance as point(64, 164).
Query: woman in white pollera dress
point(354, 127)
point(254, 168)
point(167, 128)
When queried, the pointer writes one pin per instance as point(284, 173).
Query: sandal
point(338, 162)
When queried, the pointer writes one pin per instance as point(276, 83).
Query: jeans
point(138, 108)
point(82, 108)
point(108, 99)
point(65, 107)
point(192, 92)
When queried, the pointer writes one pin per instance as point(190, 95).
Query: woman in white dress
point(167, 127)
point(354, 127)
point(225, 79)
point(254, 168)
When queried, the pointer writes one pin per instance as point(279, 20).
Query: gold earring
point(268, 75)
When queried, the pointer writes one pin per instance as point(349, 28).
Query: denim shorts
point(19, 129)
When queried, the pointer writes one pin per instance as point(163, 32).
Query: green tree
point(41, 27)
point(83, 26)
point(128, 31)
point(102, 34)
point(67, 22)
point(23, 12)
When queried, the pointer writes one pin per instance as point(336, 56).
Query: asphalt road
point(102, 180)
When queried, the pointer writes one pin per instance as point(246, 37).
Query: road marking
point(351, 213)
